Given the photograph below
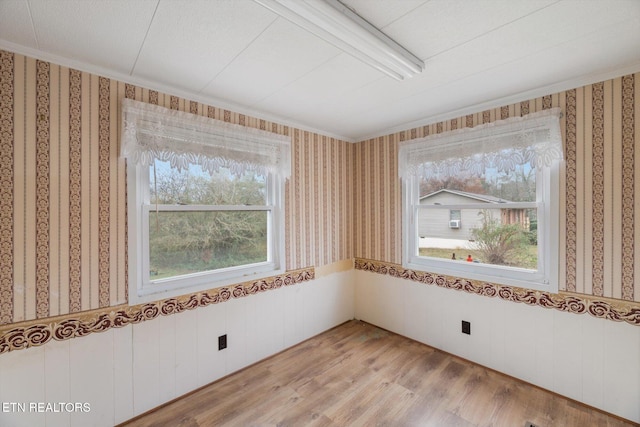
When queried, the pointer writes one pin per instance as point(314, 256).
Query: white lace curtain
point(152, 132)
point(533, 139)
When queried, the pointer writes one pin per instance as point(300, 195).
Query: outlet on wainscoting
point(222, 342)
point(466, 327)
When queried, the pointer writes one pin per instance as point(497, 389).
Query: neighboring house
point(458, 224)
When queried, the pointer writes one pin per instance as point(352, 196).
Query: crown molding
point(160, 87)
point(568, 84)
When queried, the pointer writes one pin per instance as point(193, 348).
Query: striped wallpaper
point(63, 209)
point(63, 222)
point(601, 194)
point(319, 204)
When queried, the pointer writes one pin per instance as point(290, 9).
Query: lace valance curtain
point(152, 132)
point(533, 139)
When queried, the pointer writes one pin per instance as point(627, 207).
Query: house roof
point(480, 197)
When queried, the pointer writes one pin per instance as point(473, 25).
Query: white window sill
point(183, 285)
point(508, 276)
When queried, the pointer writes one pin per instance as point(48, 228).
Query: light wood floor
point(360, 375)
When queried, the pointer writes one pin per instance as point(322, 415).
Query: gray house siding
point(435, 222)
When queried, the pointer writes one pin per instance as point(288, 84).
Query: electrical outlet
point(222, 342)
point(466, 327)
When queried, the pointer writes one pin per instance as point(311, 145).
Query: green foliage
point(500, 244)
point(183, 242)
point(532, 234)
point(190, 188)
point(203, 241)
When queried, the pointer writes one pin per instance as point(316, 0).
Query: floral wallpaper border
point(618, 311)
point(35, 333)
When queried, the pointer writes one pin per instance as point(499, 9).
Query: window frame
point(152, 132)
point(533, 139)
point(543, 279)
point(143, 289)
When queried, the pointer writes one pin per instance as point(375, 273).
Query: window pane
point(193, 186)
point(518, 185)
point(498, 236)
point(187, 242)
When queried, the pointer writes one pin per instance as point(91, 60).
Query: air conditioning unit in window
point(454, 223)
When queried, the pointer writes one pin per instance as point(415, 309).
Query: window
point(482, 203)
point(454, 219)
point(205, 202)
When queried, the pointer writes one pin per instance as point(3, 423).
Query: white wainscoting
point(591, 360)
point(124, 372)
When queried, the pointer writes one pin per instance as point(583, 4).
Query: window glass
point(186, 242)
point(482, 203)
point(205, 201)
point(490, 230)
point(193, 186)
point(200, 221)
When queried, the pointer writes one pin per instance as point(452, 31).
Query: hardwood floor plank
point(360, 375)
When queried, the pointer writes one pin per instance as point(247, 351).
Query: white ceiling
point(239, 55)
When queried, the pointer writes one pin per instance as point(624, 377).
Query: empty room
point(319, 212)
